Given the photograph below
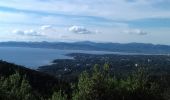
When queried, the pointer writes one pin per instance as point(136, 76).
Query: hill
point(86, 45)
point(98, 85)
point(40, 82)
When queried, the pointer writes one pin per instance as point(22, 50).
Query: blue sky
point(123, 21)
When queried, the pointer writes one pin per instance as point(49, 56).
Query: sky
point(120, 21)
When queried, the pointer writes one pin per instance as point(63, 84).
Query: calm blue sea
point(35, 57)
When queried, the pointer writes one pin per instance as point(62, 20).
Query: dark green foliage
point(58, 96)
point(167, 94)
point(43, 84)
point(16, 88)
point(101, 86)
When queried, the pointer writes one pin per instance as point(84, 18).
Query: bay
point(35, 57)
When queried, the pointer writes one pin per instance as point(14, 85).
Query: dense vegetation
point(99, 84)
point(43, 84)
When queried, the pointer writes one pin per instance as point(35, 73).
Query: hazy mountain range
point(87, 45)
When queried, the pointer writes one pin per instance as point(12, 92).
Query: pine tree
point(16, 88)
point(58, 96)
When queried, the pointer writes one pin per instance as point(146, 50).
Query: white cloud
point(50, 31)
point(45, 30)
point(108, 16)
point(135, 32)
point(30, 32)
point(46, 27)
point(80, 30)
point(16, 31)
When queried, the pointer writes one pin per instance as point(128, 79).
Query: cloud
point(102, 8)
point(30, 32)
point(46, 27)
point(103, 15)
point(80, 30)
point(135, 32)
point(45, 30)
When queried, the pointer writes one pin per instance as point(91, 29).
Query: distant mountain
point(87, 45)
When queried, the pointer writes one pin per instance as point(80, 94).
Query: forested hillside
point(43, 84)
point(19, 83)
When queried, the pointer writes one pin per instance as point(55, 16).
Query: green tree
point(58, 96)
point(94, 87)
point(16, 88)
point(101, 86)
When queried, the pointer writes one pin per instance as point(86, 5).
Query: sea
point(35, 57)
